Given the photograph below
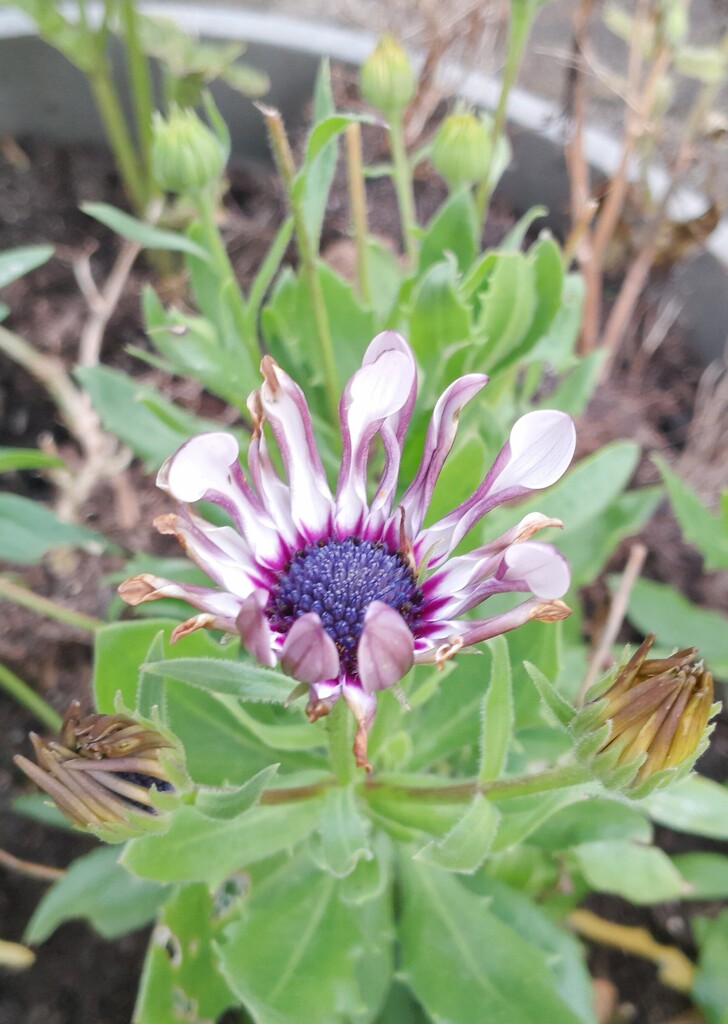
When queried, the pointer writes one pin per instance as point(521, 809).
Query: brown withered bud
point(654, 716)
point(102, 769)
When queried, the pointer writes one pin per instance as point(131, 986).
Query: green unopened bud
point(650, 723)
point(461, 150)
point(112, 775)
point(186, 155)
point(387, 80)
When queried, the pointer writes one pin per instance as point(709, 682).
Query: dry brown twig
point(594, 228)
point(601, 657)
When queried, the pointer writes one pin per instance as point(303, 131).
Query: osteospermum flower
point(346, 594)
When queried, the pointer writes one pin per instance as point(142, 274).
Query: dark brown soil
point(78, 978)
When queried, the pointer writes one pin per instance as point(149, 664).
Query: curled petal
point(363, 706)
point(287, 411)
point(476, 631)
point(218, 550)
point(378, 397)
point(254, 629)
point(220, 607)
point(207, 467)
point(309, 654)
point(441, 434)
point(543, 570)
point(540, 449)
point(538, 452)
point(386, 648)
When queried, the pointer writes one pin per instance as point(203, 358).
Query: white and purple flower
point(346, 593)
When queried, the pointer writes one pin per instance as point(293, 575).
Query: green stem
point(116, 129)
point(24, 695)
point(206, 208)
point(402, 174)
point(503, 789)
point(141, 87)
point(340, 732)
point(44, 606)
point(522, 15)
point(358, 206)
point(309, 270)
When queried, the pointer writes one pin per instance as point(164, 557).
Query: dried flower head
point(345, 592)
point(651, 722)
point(103, 770)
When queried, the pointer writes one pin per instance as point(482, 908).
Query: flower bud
point(387, 80)
point(462, 149)
point(104, 772)
point(650, 724)
point(186, 154)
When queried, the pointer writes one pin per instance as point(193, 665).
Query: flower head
point(186, 155)
point(347, 593)
point(387, 79)
point(651, 721)
point(102, 769)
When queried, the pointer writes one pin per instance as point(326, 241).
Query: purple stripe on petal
point(287, 411)
point(438, 443)
point(363, 706)
point(386, 648)
point(309, 654)
point(538, 452)
point(381, 392)
point(146, 587)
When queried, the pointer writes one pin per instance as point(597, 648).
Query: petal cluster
point(400, 597)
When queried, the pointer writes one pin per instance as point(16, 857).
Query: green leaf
point(564, 954)
point(120, 649)
point(705, 873)
point(677, 622)
point(710, 982)
point(14, 263)
point(696, 805)
point(641, 874)
point(438, 317)
point(343, 834)
point(28, 530)
point(561, 712)
point(449, 721)
point(497, 714)
point(507, 308)
point(123, 407)
point(573, 392)
point(453, 229)
point(145, 235)
point(707, 532)
point(464, 964)
point(241, 679)
point(466, 845)
point(99, 889)
point(298, 952)
point(591, 820)
point(198, 848)
point(181, 978)
point(231, 803)
point(26, 458)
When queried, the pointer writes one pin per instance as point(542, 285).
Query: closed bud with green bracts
point(186, 155)
point(387, 80)
point(462, 149)
point(650, 723)
point(106, 773)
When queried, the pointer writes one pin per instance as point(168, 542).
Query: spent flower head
point(649, 724)
point(347, 593)
point(103, 770)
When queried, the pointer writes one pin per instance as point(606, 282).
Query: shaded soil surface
point(79, 978)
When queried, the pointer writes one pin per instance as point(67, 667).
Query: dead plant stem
point(635, 561)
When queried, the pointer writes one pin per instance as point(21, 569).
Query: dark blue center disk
point(339, 579)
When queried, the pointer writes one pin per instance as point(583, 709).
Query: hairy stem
point(358, 206)
point(402, 174)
